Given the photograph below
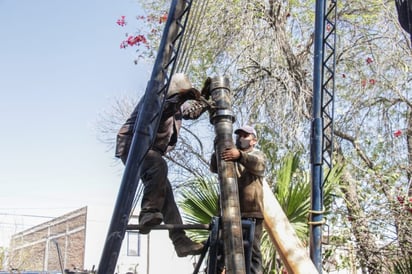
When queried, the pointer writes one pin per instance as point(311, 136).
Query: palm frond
point(403, 266)
point(199, 204)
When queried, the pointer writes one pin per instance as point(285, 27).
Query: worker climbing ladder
point(144, 132)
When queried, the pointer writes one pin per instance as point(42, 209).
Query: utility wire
point(192, 33)
point(26, 215)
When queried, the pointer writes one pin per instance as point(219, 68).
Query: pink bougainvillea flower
point(136, 40)
point(363, 83)
point(123, 44)
point(397, 133)
point(141, 39)
point(163, 18)
point(121, 22)
point(369, 60)
point(131, 40)
point(372, 81)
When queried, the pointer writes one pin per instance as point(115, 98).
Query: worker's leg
point(154, 178)
point(256, 264)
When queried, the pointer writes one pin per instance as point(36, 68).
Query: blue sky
point(61, 67)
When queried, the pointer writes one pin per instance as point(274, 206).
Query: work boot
point(149, 219)
point(184, 247)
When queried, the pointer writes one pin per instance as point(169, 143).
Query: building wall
point(132, 256)
point(38, 248)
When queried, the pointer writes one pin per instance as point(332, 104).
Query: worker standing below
point(250, 165)
point(158, 204)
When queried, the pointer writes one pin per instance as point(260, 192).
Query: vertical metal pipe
point(223, 119)
point(316, 140)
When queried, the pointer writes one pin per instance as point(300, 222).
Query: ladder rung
point(171, 226)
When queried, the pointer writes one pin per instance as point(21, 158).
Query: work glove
point(174, 101)
point(194, 108)
point(205, 92)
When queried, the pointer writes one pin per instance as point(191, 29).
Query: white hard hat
point(179, 81)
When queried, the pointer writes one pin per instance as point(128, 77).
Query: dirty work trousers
point(256, 264)
point(158, 193)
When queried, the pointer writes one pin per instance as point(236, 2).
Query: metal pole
point(148, 255)
point(316, 141)
point(223, 119)
point(409, 12)
point(59, 254)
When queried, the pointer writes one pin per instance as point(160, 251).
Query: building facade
point(51, 246)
